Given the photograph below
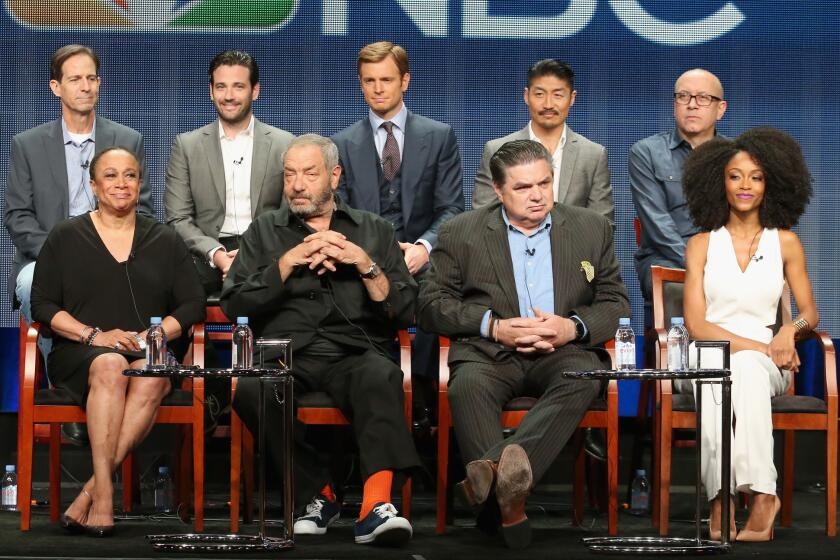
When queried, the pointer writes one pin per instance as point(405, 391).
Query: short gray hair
point(513, 153)
point(329, 151)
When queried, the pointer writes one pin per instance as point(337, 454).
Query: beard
point(318, 204)
point(244, 113)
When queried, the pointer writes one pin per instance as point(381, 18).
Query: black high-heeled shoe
point(99, 531)
point(71, 525)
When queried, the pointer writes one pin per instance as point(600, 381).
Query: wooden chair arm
point(830, 359)
point(443, 370)
point(405, 366)
point(29, 374)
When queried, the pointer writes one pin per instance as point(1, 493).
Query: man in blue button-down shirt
point(526, 289)
point(655, 168)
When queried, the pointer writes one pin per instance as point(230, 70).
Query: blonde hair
point(379, 51)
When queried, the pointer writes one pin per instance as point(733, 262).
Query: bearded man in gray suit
point(526, 290)
point(223, 175)
point(49, 178)
point(581, 173)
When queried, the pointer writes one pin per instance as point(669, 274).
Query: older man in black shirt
point(333, 280)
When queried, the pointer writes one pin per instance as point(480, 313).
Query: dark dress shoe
point(514, 480)
point(71, 525)
point(593, 444)
point(481, 475)
point(489, 518)
point(75, 433)
point(99, 531)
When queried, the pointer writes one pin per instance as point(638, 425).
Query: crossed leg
point(121, 411)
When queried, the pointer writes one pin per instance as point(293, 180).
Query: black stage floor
point(554, 537)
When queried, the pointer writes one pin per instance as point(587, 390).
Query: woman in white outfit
point(746, 194)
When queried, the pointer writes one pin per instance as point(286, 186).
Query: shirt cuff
point(425, 244)
point(485, 323)
point(210, 254)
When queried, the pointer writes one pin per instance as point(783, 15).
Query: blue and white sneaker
point(382, 526)
point(320, 514)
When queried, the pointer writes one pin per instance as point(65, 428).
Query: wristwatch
point(580, 330)
point(372, 272)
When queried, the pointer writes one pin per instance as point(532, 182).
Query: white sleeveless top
point(744, 303)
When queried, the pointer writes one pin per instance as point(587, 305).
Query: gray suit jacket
point(432, 190)
point(37, 193)
point(472, 271)
point(195, 182)
point(584, 174)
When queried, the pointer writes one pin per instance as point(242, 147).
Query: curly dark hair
point(786, 178)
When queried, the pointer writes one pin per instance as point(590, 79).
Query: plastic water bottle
point(677, 345)
point(640, 494)
point(242, 351)
point(163, 491)
point(9, 502)
point(156, 345)
point(625, 345)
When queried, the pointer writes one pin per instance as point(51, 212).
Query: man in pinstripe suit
point(526, 290)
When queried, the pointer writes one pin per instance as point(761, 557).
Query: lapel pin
point(588, 269)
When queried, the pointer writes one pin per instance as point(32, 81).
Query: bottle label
point(625, 355)
point(10, 495)
point(639, 501)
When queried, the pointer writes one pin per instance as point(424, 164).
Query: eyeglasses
point(703, 99)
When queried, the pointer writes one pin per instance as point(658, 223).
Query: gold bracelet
point(801, 325)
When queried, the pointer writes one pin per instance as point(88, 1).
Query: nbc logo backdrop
point(153, 15)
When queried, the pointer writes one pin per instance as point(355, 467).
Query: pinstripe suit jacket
point(472, 272)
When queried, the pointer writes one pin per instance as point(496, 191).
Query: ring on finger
point(118, 346)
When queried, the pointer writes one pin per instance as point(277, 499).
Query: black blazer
point(432, 190)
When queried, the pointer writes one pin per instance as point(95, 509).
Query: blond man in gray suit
point(581, 173)
point(526, 289)
point(223, 175)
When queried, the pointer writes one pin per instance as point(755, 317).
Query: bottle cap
point(242, 320)
point(624, 321)
point(677, 321)
point(640, 472)
point(156, 320)
point(10, 468)
point(163, 470)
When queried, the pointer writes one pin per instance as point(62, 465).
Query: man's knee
point(23, 290)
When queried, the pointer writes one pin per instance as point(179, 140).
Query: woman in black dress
point(99, 279)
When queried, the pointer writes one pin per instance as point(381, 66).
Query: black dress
point(76, 273)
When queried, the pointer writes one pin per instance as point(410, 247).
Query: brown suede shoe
point(481, 475)
point(514, 480)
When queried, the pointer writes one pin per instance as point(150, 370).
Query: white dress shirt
point(236, 156)
point(556, 157)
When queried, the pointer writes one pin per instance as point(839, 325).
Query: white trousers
point(755, 380)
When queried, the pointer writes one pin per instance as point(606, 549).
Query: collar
point(561, 145)
point(65, 134)
point(398, 120)
point(283, 215)
point(249, 130)
point(675, 140)
point(545, 224)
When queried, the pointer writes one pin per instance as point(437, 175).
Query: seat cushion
point(58, 396)
point(527, 403)
point(684, 402)
point(798, 403)
point(315, 399)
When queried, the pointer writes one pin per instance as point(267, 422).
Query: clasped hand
point(782, 349)
point(542, 333)
point(323, 250)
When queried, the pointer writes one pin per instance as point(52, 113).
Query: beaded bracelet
point(92, 335)
point(82, 336)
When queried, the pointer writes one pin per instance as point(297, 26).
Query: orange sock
point(377, 489)
point(327, 492)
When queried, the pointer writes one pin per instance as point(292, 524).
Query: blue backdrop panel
point(777, 60)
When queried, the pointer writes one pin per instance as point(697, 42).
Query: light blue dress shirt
point(78, 157)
